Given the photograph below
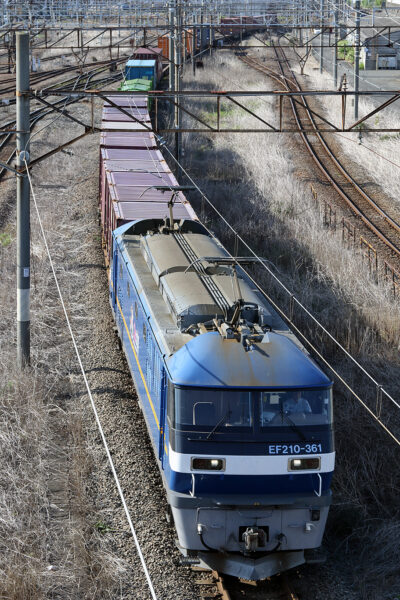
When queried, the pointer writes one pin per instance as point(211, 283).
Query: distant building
point(382, 51)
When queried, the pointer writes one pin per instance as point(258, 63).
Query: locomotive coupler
point(253, 539)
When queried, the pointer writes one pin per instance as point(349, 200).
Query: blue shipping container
point(141, 69)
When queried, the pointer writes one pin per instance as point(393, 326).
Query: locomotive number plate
point(303, 448)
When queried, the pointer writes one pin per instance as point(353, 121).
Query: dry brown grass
point(266, 161)
point(53, 541)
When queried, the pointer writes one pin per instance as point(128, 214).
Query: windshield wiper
point(292, 424)
point(228, 412)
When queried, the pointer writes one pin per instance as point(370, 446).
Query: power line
point(301, 306)
point(96, 415)
point(294, 300)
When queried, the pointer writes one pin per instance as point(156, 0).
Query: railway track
point(43, 76)
point(79, 82)
point(386, 229)
point(214, 585)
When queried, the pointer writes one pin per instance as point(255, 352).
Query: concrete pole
point(211, 32)
point(171, 47)
point(23, 201)
point(357, 59)
point(300, 20)
point(194, 44)
point(306, 32)
point(321, 37)
point(335, 50)
point(178, 62)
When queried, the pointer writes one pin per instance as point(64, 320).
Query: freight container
point(187, 41)
point(114, 114)
point(148, 156)
point(141, 69)
point(123, 203)
point(141, 140)
point(140, 101)
point(124, 160)
point(163, 44)
point(137, 85)
point(150, 54)
point(122, 126)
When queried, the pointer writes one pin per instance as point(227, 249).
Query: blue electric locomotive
point(239, 415)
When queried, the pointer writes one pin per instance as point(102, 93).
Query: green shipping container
point(137, 85)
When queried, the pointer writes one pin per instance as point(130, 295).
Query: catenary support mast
point(23, 200)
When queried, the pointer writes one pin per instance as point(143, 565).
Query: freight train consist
point(239, 415)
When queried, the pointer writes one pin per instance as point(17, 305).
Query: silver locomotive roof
point(185, 269)
point(180, 291)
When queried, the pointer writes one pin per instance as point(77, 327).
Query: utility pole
point(194, 45)
point(178, 62)
point(321, 56)
point(300, 21)
point(335, 49)
point(23, 201)
point(171, 46)
point(357, 59)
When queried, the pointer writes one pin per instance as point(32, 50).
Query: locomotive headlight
point(208, 464)
point(304, 464)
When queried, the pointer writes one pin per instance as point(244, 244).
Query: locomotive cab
point(250, 464)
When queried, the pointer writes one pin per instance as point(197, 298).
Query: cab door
point(163, 410)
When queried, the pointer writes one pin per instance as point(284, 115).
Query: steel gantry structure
point(103, 24)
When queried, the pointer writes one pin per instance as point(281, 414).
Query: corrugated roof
point(151, 50)
point(124, 178)
point(138, 101)
point(132, 211)
point(144, 166)
point(122, 118)
point(123, 126)
point(140, 63)
point(132, 110)
point(126, 193)
point(125, 155)
point(139, 140)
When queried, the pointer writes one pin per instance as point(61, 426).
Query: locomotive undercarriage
point(250, 542)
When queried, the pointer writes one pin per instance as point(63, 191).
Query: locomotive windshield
point(301, 407)
point(223, 410)
point(206, 408)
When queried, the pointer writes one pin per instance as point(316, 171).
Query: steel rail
point(291, 594)
point(282, 79)
point(339, 165)
point(220, 583)
point(39, 77)
point(40, 113)
point(227, 589)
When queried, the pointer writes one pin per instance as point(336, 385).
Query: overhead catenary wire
point(336, 133)
point(362, 13)
point(357, 397)
point(341, 135)
point(294, 300)
point(89, 392)
point(262, 262)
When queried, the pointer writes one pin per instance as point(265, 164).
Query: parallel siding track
point(377, 220)
point(79, 82)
